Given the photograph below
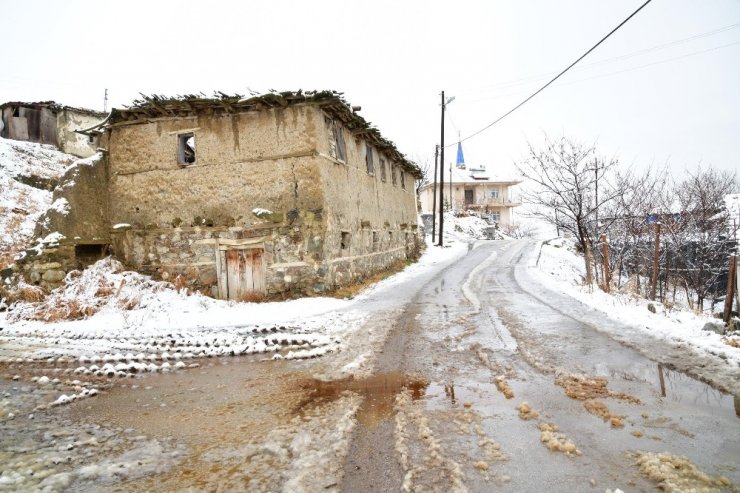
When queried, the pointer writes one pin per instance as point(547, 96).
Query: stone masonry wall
point(376, 215)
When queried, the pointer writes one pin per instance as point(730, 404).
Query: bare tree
point(569, 184)
point(706, 220)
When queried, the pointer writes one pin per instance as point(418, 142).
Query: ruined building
point(51, 123)
point(280, 193)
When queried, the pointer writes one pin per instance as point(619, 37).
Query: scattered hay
point(599, 409)
point(503, 387)
point(636, 434)
point(583, 388)
point(492, 450)
point(22, 293)
point(731, 342)
point(677, 474)
point(556, 441)
point(483, 466)
point(526, 412)
point(84, 293)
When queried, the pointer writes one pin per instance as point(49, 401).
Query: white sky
point(394, 58)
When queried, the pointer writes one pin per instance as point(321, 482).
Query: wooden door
point(468, 197)
point(244, 273)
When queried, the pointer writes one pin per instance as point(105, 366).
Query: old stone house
point(280, 193)
point(51, 123)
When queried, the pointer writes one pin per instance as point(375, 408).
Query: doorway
point(243, 274)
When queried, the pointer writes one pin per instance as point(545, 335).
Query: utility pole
point(605, 260)
point(434, 193)
point(442, 167)
point(656, 261)
point(105, 101)
point(450, 185)
point(442, 172)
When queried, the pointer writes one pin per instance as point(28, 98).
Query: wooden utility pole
point(731, 281)
point(605, 256)
point(442, 171)
point(656, 262)
point(434, 193)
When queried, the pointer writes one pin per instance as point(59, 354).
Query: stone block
point(53, 275)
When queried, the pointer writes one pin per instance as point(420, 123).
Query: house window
point(496, 216)
point(344, 240)
point(369, 160)
point(376, 241)
point(403, 180)
point(382, 169)
point(337, 137)
point(186, 148)
point(393, 174)
point(494, 194)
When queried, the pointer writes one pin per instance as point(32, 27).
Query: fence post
point(656, 262)
point(729, 298)
point(605, 258)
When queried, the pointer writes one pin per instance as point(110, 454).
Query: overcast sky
point(675, 98)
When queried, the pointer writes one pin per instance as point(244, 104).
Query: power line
point(556, 77)
point(609, 74)
point(531, 78)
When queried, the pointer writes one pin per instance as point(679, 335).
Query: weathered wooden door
point(244, 273)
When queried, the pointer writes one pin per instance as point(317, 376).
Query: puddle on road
point(379, 393)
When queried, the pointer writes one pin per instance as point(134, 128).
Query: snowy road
point(442, 363)
point(487, 339)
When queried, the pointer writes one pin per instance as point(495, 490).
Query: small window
point(337, 147)
point(403, 180)
point(494, 194)
point(16, 112)
point(496, 216)
point(382, 169)
point(393, 174)
point(344, 240)
point(369, 160)
point(376, 241)
point(186, 148)
point(89, 254)
point(92, 139)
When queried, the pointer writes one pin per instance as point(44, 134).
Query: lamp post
point(445, 102)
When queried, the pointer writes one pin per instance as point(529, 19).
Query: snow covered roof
point(331, 102)
point(53, 106)
point(476, 174)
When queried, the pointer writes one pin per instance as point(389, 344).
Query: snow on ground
point(21, 165)
point(561, 270)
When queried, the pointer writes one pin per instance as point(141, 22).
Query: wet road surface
point(460, 350)
point(487, 344)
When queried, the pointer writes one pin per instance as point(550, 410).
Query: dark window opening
point(369, 160)
point(376, 241)
point(403, 180)
point(382, 169)
point(16, 112)
point(390, 237)
point(468, 197)
point(186, 148)
point(393, 174)
point(89, 254)
point(339, 141)
point(91, 138)
point(345, 239)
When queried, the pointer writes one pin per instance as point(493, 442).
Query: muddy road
point(505, 361)
point(468, 377)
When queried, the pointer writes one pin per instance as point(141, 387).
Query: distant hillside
point(28, 174)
